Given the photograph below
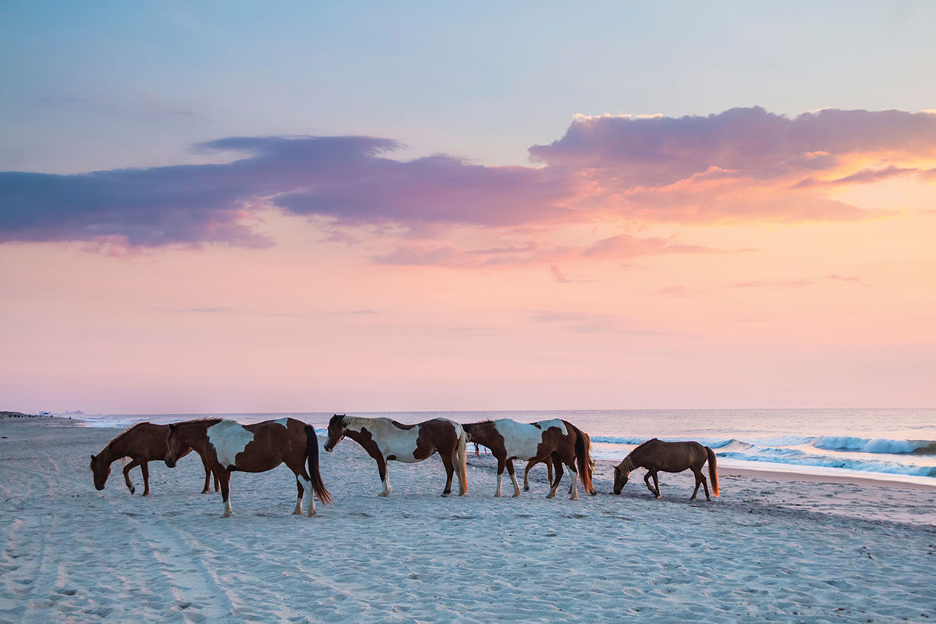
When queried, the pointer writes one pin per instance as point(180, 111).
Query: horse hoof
point(516, 495)
point(132, 491)
point(384, 494)
point(446, 494)
point(227, 514)
point(313, 514)
point(498, 495)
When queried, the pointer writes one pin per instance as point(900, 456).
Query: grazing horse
point(656, 455)
point(142, 443)
point(556, 441)
point(385, 439)
point(230, 446)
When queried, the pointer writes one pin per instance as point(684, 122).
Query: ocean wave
point(799, 458)
point(634, 441)
point(880, 445)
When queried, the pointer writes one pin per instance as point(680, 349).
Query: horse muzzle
point(170, 461)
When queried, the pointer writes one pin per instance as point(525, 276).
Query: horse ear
point(93, 457)
point(172, 427)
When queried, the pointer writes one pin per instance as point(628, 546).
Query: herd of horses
point(226, 446)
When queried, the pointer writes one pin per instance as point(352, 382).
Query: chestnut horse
point(385, 439)
point(142, 443)
point(556, 441)
point(230, 446)
point(656, 455)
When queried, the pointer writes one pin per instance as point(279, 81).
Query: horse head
point(175, 447)
point(336, 431)
point(101, 470)
point(620, 477)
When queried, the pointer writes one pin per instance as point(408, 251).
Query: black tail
point(312, 455)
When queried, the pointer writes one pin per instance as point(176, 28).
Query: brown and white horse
point(142, 443)
point(656, 455)
point(385, 440)
point(555, 441)
point(230, 446)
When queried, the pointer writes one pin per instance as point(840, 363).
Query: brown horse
point(142, 443)
point(656, 455)
point(556, 441)
point(385, 439)
point(230, 446)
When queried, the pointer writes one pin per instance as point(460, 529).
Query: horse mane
point(121, 435)
point(643, 444)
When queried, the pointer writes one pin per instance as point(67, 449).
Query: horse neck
point(628, 464)
point(115, 449)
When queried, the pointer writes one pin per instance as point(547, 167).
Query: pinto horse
point(385, 439)
point(230, 446)
point(553, 441)
point(142, 443)
point(656, 455)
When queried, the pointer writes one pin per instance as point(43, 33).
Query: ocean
point(890, 444)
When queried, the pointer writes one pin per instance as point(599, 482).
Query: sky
point(242, 207)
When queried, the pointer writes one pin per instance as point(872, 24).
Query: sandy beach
point(773, 547)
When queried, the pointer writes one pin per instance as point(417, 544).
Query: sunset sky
point(245, 207)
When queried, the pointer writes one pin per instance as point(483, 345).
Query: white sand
point(781, 549)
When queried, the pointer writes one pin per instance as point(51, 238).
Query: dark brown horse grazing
point(656, 455)
point(385, 439)
point(555, 441)
point(230, 446)
point(142, 443)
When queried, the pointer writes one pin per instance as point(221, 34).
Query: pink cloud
point(626, 246)
point(737, 165)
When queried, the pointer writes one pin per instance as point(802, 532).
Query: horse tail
point(712, 470)
point(583, 458)
point(461, 460)
point(312, 455)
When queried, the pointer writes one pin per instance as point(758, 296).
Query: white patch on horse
point(229, 438)
point(521, 440)
point(390, 439)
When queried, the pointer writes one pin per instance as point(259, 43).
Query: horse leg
point(526, 476)
point(557, 464)
point(144, 468)
point(513, 478)
point(126, 473)
point(701, 476)
point(449, 471)
point(501, 462)
point(698, 482)
point(477, 450)
point(384, 476)
point(573, 474)
point(225, 477)
point(298, 510)
point(647, 481)
point(207, 475)
point(656, 484)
